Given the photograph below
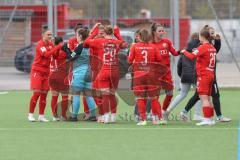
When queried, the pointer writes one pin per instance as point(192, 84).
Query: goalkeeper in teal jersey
point(81, 80)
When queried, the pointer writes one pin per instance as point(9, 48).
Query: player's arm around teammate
point(165, 47)
point(73, 43)
point(39, 74)
point(81, 75)
point(187, 74)
point(58, 81)
point(215, 91)
point(205, 66)
point(108, 77)
point(143, 57)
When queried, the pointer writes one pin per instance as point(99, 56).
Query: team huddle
point(88, 65)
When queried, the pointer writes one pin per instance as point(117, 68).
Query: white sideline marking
point(3, 92)
point(140, 128)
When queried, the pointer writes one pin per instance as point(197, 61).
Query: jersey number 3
point(145, 56)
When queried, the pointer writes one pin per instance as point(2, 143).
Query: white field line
point(107, 129)
point(4, 92)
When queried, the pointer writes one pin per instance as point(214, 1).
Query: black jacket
point(217, 46)
point(186, 67)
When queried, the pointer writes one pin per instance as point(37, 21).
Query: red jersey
point(144, 54)
point(206, 59)
point(43, 54)
point(165, 47)
point(94, 59)
point(72, 43)
point(106, 50)
point(144, 57)
point(58, 61)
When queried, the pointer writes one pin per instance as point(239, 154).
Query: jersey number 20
point(109, 55)
point(212, 60)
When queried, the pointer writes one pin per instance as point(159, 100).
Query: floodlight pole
point(176, 23)
point(55, 19)
point(176, 39)
point(113, 12)
point(50, 15)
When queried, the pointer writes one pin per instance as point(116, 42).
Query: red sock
point(54, 105)
point(42, 103)
point(33, 101)
point(64, 106)
point(98, 102)
point(208, 111)
point(85, 105)
point(166, 102)
point(100, 110)
point(142, 108)
point(113, 104)
point(106, 103)
point(156, 108)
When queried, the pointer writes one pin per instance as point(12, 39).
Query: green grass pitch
point(22, 140)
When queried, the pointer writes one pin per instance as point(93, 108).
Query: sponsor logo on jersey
point(165, 45)
point(196, 52)
point(43, 49)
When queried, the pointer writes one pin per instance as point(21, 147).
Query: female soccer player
point(148, 105)
point(81, 75)
point(58, 80)
point(215, 91)
point(144, 55)
point(39, 74)
point(95, 65)
point(187, 74)
point(165, 47)
point(72, 44)
point(107, 49)
point(205, 67)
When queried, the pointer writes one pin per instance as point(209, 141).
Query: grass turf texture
point(22, 140)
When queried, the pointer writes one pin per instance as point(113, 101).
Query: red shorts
point(58, 81)
point(204, 84)
point(145, 91)
point(166, 82)
point(108, 79)
point(39, 80)
point(145, 86)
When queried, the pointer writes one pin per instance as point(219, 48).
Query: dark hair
point(85, 27)
point(208, 28)
point(108, 29)
point(154, 27)
point(77, 26)
point(58, 40)
point(206, 34)
point(195, 35)
point(84, 33)
point(144, 35)
point(137, 31)
point(45, 29)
